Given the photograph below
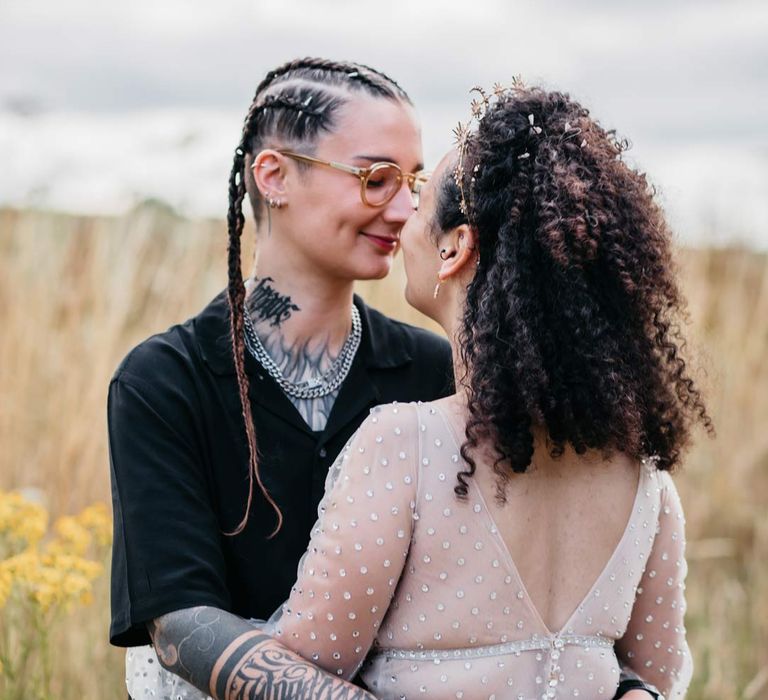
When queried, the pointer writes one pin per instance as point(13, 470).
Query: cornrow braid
point(401, 93)
point(376, 81)
point(293, 104)
point(278, 102)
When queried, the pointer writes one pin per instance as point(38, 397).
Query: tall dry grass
point(77, 293)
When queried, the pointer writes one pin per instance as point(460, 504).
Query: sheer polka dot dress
point(417, 591)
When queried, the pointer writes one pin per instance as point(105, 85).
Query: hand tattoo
point(229, 658)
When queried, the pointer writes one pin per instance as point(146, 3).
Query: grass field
point(77, 293)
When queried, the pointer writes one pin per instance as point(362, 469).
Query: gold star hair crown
point(480, 106)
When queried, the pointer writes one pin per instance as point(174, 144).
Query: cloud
point(679, 79)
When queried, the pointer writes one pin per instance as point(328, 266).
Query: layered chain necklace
point(316, 386)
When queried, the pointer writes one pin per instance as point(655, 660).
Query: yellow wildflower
point(22, 523)
point(72, 535)
point(98, 520)
point(6, 583)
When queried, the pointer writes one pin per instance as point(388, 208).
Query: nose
point(401, 206)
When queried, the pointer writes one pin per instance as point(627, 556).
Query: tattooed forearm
point(269, 671)
point(230, 659)
point(265, 303)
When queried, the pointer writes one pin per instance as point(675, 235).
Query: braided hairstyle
point(571, 323)
point(292, 107)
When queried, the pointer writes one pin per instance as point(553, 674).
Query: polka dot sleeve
point(347, 577)
point(654, 644)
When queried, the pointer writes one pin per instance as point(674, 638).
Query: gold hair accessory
point(480, 106)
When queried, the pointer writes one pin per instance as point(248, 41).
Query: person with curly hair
point(521, 538)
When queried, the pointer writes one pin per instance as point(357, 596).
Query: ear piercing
point(442, 254)
point(273, 203)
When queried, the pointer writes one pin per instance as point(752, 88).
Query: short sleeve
point(166, 553)
point(358, 547)
point(654, 644)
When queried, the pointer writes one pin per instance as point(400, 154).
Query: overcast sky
point(145, 97)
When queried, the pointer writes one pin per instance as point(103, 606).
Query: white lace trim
point(535, 643)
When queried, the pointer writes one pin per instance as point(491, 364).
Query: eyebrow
point(386, 159)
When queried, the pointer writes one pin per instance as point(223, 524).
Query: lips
point(383, 242)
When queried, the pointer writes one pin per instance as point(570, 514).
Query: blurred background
point(117, 126)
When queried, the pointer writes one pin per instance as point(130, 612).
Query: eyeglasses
point(379, 183)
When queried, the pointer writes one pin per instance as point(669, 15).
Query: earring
point(442, 251)
point(437, 288)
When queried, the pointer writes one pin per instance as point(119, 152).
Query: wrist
point(636, 690)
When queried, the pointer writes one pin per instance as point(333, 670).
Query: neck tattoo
point(306, 370)
point(265, 303)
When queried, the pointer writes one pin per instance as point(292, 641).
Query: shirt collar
point(382, 346)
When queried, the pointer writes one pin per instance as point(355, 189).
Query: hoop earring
point(442, 251)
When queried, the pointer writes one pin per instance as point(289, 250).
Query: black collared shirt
point(179, 462)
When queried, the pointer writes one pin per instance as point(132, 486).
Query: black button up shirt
point(179, 464)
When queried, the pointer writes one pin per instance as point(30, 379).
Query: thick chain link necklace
point(316, 386)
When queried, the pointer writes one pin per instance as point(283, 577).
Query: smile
point(387, 243)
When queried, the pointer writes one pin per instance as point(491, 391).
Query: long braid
point(312, 73)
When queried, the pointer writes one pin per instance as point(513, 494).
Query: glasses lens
point(419, 180)
point(382, 184)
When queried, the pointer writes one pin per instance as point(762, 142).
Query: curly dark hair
point(293, 106)
point(571, 323)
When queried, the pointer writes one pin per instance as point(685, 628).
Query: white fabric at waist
point(535, 643)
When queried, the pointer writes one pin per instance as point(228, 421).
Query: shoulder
point(162, 358)
point(390, 336)
point(389, 424)
point(384, 446)
point(670, 498)
point(176, 355)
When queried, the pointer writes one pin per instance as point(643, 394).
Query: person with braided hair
point(222, 429)
point(521, 538)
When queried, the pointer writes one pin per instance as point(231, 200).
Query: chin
point(416, 301)
point(378, 271)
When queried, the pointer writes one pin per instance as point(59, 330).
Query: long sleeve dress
point(415, 589)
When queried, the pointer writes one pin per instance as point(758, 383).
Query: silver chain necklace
point(316, 386)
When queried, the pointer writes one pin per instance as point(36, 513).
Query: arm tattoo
point(230, 659)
